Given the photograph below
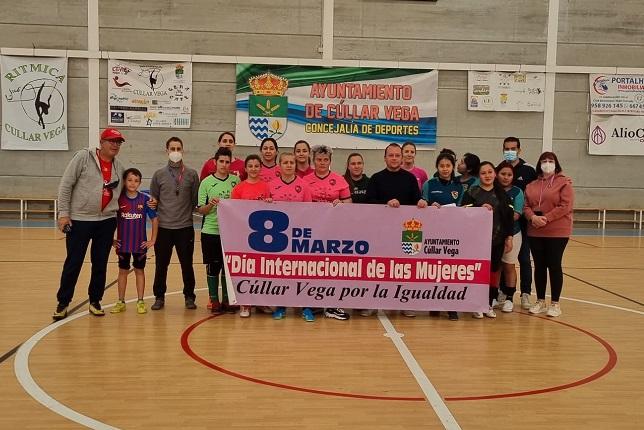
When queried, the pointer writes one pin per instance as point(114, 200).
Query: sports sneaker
point(337, 313)
point(409, 314)
point(525, 301)
point(266, 309)
point(508, 306)
point(244, 312)
point(307, 314)
point(60, 312)
point(216, 309)
point(539, 307)
point(96, 309)
point(158, 304)
point(477, 315)
point(452, 315)
point(367, 312)
point(118, 307)
point(554, 310)
point(490, 313)
point(279, 313)
point(190, 303)
point(140, 307)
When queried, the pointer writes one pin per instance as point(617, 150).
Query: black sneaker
point(452, 315)
point(190, 303)
point(158, 304)
point(434, 313)
point(60, 312)
point(337, 313)
point(96, 309)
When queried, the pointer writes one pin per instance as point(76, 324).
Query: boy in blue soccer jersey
point(131, 239)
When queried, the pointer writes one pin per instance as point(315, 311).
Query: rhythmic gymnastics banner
point(34, 103)
point(343, 107)
point(149, 95)
point(356, 256)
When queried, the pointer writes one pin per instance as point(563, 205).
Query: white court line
point(21, 369)
point(432, 396)
point(601, 304)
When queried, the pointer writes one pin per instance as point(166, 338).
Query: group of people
point(532, 213)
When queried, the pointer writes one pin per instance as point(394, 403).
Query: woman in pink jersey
point(290, 188)
point(409, 163)
point(328, 186)
point(253, 188)
point(268, 151)
point(302, 152)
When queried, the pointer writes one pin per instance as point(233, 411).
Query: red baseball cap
point(112, 134)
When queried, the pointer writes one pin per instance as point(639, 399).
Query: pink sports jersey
point(237, 168)
point(268, 174)
point(294, 191)
point(303, 173)
point(329, 188)
point(420, 174)
point(247, 191)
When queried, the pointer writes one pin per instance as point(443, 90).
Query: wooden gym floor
point(183, 369)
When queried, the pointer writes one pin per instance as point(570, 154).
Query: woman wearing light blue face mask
point(548, 209)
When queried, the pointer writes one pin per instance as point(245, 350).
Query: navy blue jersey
point(443, 192)
point(131, 219)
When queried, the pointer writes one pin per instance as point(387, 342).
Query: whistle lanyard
point(177, 180)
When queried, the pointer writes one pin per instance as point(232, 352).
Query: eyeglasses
point(114, 142)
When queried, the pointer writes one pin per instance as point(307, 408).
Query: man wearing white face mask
point(176, 187)
point(524, 173)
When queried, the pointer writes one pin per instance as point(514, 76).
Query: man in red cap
point(87, 204)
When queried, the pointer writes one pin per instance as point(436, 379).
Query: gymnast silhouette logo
point(153, 75)
point(41, 101)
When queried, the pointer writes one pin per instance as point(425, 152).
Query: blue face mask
point(509, 155)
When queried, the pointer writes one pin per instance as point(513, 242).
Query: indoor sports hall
point(563, 76)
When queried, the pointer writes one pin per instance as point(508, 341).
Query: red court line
point(186, 347)
point(610, 364)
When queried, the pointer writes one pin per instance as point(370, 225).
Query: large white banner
point(617, 94)
point(616, 135)
point(506, 91)
point(34, 103)
point(149, 95)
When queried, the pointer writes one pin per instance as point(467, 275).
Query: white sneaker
point(554, 310)
point(539, 307)
point(367, 312)
point(525, 301)
point(477, 315)
point(508, 306)
point(244, 312)
point(409, 314)
point(490, 313)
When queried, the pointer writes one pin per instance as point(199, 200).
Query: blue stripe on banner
point(426, 134)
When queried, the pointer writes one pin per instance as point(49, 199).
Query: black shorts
point(211, 248)
point(138, 260)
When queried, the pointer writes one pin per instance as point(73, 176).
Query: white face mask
point(548, 167)
point(175, 156)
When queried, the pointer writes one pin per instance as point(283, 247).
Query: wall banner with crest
point(343, 107)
